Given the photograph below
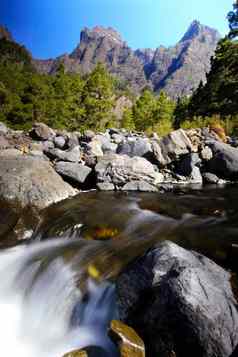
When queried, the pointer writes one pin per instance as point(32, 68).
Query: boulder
point(171, 147)
point(94, 148)
point(224, 163)
point(121, 169)
point(189, 167)
point(4, 143)
point(180, 302)
point(206, 153)
point(41, 131)
point(73, 171)
point(60, 142)
point(88, 135)
point(31, 181)
point(212, 179)
point(73, 155)
point(140, 147)
point(105, 186)
point(140, 186)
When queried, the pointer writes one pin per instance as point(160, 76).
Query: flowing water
point(57, 290)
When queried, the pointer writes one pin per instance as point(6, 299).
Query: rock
point(31, 181)
point(95, 148)
point(189, 167)
point(3, 128)
point(171, 147)
point(60, 142)
point(117, 138)
point(140, 186)
point(224, 163)
point(73, 155)
point(121, 169)
point(140, 147)
point(130, 344)
point(88, 135)
point(212, 179)
point(73, 140)
point(48, 145)
point(41, 131)
point(73, 171)
point(206, 153)
point(179, 301)
point(105, 186)
point(4, 143)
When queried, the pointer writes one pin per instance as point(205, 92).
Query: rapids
point(49, 302)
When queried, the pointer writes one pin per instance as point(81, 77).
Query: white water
point(37, 303)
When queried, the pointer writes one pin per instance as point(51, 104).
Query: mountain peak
point(100, 32)
point(5, 34)
point(196, 28)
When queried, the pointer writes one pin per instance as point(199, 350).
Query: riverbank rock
point(77, 173)
point(179, 302)
point(31, 181)
point(41, 131)
point(121, 169)
point(224, 163)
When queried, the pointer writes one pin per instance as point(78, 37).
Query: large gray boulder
point(224, 163)
point(179, 300)
point(31, 181)
point(73, 171)
point(73, 155)
point(189, 167)
point(121, 169)
point(171, 147)
point(140, 147)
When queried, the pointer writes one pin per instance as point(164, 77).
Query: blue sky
point(49, 28)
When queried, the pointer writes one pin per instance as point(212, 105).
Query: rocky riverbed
point(43, 166)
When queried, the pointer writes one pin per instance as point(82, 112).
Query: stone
point(31, 181)
point(117, 138)
point(130, 344)
point(73, 155)
point(41, 131)
point(73, 171)
point(73, 140)
point(171, 147)
point(206, 153)
point(212, 179)
point(180, 301)
point(105, 186)
point(88, 135)
point(120, 169)
point(95, 148)
point(140, 186)
point(224, 163)
point(189, 168)
point(3, 128)
point(4, 143)
point(140, 147)
point(60, 142)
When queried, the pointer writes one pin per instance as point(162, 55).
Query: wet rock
point(130, 344)
point(105, 186)
point(224, 163)
point(3, 128)
point(73, 171)
point(140, 186)
point(180, 301)
point(73, 155)
point(31, 181)
point(121, 169)
point(212, 179)
point(60, 142)
point(41, 131)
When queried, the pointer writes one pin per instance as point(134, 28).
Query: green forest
point(74, 102)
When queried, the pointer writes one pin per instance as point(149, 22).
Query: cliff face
point(177, 70)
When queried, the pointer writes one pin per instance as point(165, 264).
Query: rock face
point(178, 70)
point(224, 163)
point(179, 302)
point(31, 181)
point(121, 169)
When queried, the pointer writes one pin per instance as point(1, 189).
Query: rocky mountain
point(177, 70)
